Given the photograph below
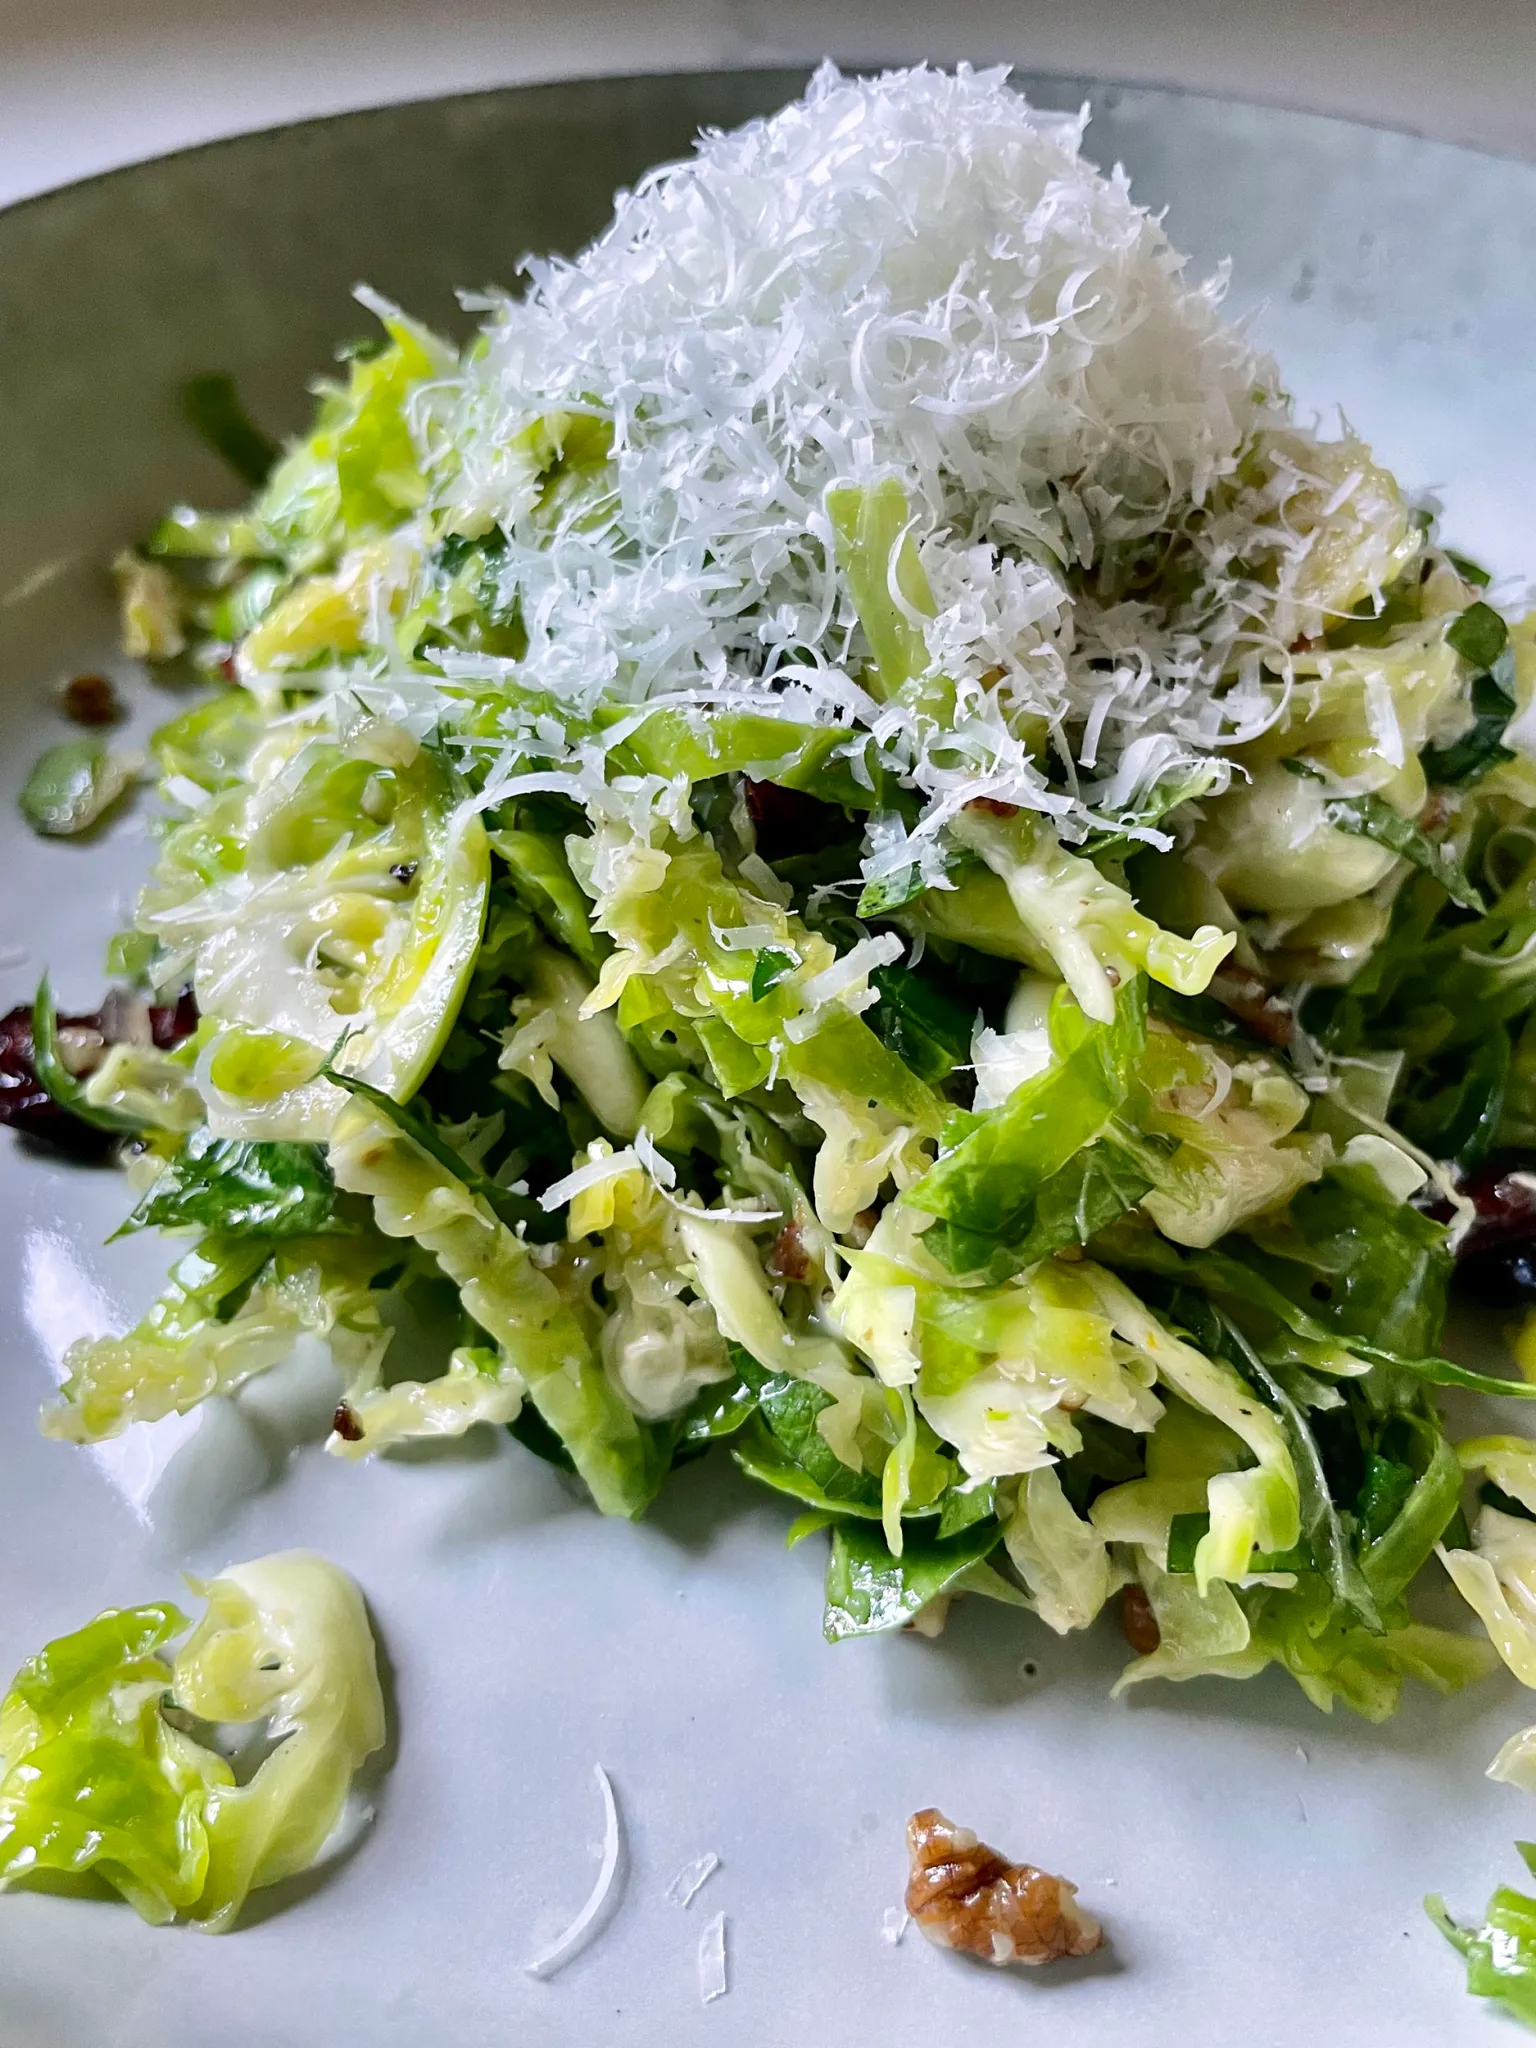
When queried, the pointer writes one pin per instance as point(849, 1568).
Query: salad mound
point(843, 837)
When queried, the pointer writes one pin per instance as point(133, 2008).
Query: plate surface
point(1259, 1867)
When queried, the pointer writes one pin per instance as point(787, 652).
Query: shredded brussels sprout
point(942, 899)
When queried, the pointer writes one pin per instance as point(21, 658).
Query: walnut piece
point(966, 1896)
point(91, 700)
point(789, 1259)
point(1139, 1622)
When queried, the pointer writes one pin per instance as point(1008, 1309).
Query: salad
point(843, 838)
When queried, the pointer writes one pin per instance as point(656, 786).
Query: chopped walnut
point(346, 1424)
point(789, 1259)
point(1139, 1622)
point(992, 807)
point(1255, 1004)
point(966, 1896)
point(91, 700)
point(1439, 809)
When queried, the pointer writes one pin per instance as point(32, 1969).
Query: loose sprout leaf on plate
point(1501, 1953)
point(72, 787)
point(100, 1774)
point(813, 943)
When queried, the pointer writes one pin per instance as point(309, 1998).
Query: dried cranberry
point(1496, 1259)
point(1503, 1192)
point(25, 1103)
point(171, 1023)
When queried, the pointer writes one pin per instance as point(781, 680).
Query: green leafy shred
point(232, 1184)
point(1501, 1953)
point(100, 1778)
point(869, 1591)
point(212, 409)
point(1479, 635)
point(1372, 817)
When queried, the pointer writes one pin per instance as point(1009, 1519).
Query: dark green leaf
point(416, 1122)
point(791, 1447)
point(1089, 1193)
point(1372, 817)
point(1110, 1456)
point(1186, 1533)
point(718, 1410)
point(1478, 635)
point(764, 1459)
point(762, 1456)
point(1481, 749)
point(1443, 1372)
point(212, 409)
point(769, 968)
point(973, 1500)
point(1206, 1017)
point(1468, 570)
point(1358, 1260)
point(541, 876)
point(1501, 1954)
point(921, 1024)
point(989, 1183)
point(868, 1590)
point(268, 1189)
point(1393, 1562)
point(73, 785)
point(1460, 1120)
point(1243, 1289)
point(68, 1092)
point(1325, 1539)
point(1388, 1484)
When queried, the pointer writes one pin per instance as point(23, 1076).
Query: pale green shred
point(101, 1774)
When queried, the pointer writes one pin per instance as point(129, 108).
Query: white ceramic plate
point(1259, 1867)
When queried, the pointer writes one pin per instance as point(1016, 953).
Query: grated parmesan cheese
point(713, 1980)
point(587, 1921)
point(916, 276)
point(607, 1166)
point(692, 1878)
